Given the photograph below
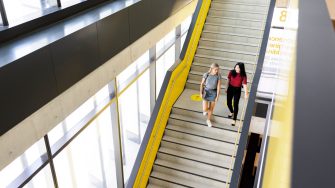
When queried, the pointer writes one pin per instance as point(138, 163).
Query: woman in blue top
point(210, 90)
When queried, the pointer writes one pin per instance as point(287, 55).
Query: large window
point(89, 160)
point(20, 166)
point(163, 64)
point(134, 101)
point(42, 179)
point(24, 10)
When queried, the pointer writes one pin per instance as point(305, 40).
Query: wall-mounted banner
point(285, 18)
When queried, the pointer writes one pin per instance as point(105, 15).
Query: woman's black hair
point(242, 70)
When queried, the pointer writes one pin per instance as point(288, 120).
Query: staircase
point(192, 154)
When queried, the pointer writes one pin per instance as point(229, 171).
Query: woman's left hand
point(216, 99)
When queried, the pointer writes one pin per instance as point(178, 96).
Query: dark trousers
point(233, 93)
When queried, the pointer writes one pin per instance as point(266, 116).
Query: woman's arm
point(218, 87)
point(202, 86)
point(227, 84)
point(246, 91)
point(228, 80)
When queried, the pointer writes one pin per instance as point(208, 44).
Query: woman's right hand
point(201, 95)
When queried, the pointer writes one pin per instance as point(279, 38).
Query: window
point(42, 179)
point(165, 42)
point(1, 23)
point(67, 3)
point(19, 11)
point(22, 163)
point(130, 127)
point(88, 161)
point(186, 24)
point(183, 38)
point(72, 120)
point(132, 71)
point(163, 64)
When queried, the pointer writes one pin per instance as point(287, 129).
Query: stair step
point(223, 61)
point(204, 132)
point(211, 51)
point(192, 167)
point(229, 45)
point(195, 75)
point(233, 29)
point(235, 21)
point(225, 66)
point(236, 14)
point(215, 35)
point(239, 6)
point(195, 85)
point(239, 11)
point(229, 42)
point(197, 117)
point(183, 178)
point(157, 183)
point(219, 147)
point(212, 132)
point(246, 3)
point(195, 154)
point(228, 50)
point(204, 67)
point(258, 2)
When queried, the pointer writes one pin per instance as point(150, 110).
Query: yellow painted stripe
point(174, 89)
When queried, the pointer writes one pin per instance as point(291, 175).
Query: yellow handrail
point(173, 91)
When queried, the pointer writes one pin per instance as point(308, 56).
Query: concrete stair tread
point(204, 132)
point(223, 86)
point(155, 182)
point(226, 50)
point(212, 132)
point(232, 34)
point(230, 42)
point(223, 58)
point(202, 122)
point(219, 147)
point(196, 154)
point(183, 178)
point(207, 65)
point(235, 18)
point(201, 74)
point(239, 11)
point(198, 139)
point(204, 170)
point(240, 3)
point(236, 26)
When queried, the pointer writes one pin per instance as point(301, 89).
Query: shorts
point(209, 95)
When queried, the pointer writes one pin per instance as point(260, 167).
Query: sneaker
point(205, 113)
point(230, 115)
point(209, 123)
point(233, 122)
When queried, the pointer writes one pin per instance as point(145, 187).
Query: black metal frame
point(235, 179)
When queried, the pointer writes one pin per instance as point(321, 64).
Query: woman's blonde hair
point(213, 66)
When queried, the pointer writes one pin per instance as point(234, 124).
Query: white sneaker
point(205, 113)
point(209, 123)
point(233, 122)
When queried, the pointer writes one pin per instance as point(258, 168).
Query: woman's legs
point(210, 110)
point(230, 94)
point(205, 107)
point(237, 96)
